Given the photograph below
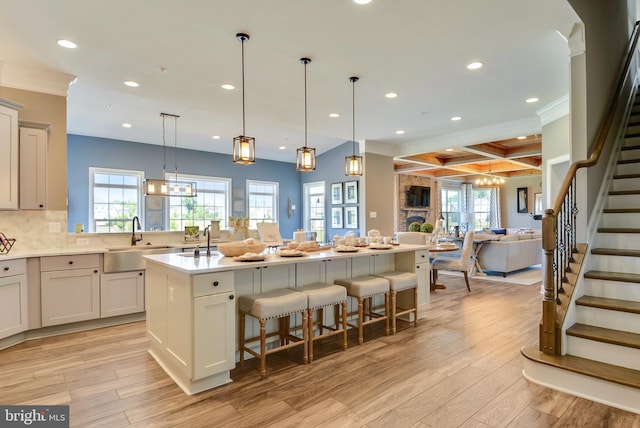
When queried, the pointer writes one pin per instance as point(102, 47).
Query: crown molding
point(554, 110)
point(28, 79)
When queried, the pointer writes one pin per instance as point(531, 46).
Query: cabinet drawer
point(13, 267)
point(76, 261)
point(212, 283)
point(422, 256)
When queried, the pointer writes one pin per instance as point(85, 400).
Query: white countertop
point(193, 265)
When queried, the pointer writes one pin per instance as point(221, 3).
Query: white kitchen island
point(191, 309)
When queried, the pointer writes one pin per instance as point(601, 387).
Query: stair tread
point(597, 369)
point(615, 252)
point(613, 276)
point(620, 210)
point(623, 176)
point(624, 192)
point(605, 335)
point(610, 304)
point(627, 161)
point(633, 147)
point(618, 230)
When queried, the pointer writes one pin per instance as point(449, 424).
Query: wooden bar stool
point(321, 295)
point(365, 287)
point(275, 304)
point(399, 281)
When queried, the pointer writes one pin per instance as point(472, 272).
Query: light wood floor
point(460, 367)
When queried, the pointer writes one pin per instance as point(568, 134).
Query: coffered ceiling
point(181, 53)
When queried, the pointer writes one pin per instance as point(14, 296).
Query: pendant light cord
point(242, 41)
point(164, 148)
point(353, 113)
point(175, 144)
point(305, 103)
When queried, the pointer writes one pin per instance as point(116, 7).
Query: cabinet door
point(121, 293)
point(156, 302)
point(13, 305)
point(214, 344)
point(9, 156)
point(33, 169)
point(272, 277)
point(70, 296)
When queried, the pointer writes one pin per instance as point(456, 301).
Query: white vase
point(215, 229)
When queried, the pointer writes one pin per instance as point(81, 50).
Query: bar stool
point(321, 295)
point(399, 281)
point(365, 287)
point(275, 304)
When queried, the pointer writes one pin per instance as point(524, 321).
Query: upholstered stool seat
point(365, 287)
point(275, 304)
point(321, 295)
point(400, 281)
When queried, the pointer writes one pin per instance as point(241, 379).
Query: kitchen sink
point(123, 259)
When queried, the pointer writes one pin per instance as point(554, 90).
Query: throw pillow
point(502, 231)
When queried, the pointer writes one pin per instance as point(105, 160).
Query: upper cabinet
point(9, 154)
point(33, 165)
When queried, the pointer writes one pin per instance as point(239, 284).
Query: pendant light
point(489, 180)
point(164, 187)
point(305, 156)
point(244, 148)
point(353, 163)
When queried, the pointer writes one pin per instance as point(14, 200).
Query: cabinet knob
point(6, 268)
point(231, 297)
point(140, 273)
point(70, 262)
point(41, 206)
point(216, 283)
point(417, 267)
point(95, 271)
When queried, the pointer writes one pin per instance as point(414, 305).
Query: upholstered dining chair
point(414, 238)
point(460, 265)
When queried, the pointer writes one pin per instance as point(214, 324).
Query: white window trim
point(99, 170)
point(306, 218)
point(276, 208)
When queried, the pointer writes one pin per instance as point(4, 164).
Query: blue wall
point(84, 152)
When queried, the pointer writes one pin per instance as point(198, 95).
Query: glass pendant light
point(244, 148)
point(164, 187)
point(353, 163)
point(305, 156)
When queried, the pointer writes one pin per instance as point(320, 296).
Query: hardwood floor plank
point(532, 418)
point(507, 406)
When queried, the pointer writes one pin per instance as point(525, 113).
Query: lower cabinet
point(13, 297)
point(213, 331)
point(70, 288)
point(121, 293)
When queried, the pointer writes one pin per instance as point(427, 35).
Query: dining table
point(440, 247)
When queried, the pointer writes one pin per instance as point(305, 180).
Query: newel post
point(548, 323)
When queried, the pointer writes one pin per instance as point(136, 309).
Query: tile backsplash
point(35, 229)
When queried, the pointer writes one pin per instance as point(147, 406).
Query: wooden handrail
point(604, 129)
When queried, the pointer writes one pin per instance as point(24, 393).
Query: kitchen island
point(191, 309)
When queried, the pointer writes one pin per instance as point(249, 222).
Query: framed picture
point(523, 200)
point(350, 217)
point(336, 194)
point(351, 192)
point(537, 204)
point(336, 218)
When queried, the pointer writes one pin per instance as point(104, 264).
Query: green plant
point(414, 227)
point(426, 228)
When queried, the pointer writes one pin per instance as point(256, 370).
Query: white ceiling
point(417, 48)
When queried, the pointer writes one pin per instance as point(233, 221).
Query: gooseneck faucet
point(135, 222)
point(207, 233)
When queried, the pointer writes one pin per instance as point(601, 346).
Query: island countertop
point(187, 263)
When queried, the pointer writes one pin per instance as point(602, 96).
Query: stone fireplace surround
point(403, 213)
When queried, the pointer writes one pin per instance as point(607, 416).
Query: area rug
point(528, 276)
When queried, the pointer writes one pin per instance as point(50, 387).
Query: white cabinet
point(33, 167)
point(70, 288)
point(191, 325)
point(13, 297)
point(418, 263)
point(121, 293)
point(9, 154)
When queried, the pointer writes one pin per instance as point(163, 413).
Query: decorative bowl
point(234, 249)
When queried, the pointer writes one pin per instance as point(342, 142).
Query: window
point(314, 209)
point(211, 203)
point(115, 199)
point(450, 207)
point(481, 208)
point(262, 202)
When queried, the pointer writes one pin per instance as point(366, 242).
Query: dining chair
point(459, 265)
point(415, 238)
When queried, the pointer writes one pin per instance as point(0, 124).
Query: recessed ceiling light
point(448, 150)
point(362, 1)
point(522, 137)
point(216, 137)
point(132, 84)
point(391, 95)
point(474, 65)
point(126, 125)
point(399, 132)
point(228, 86)
point(455, 118)
point(282, 147)
point(532, 100)
point(67, 44)
point(334, 115)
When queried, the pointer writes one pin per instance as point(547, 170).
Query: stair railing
point(559, 222)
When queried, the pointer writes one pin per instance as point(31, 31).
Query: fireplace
point(413, 218)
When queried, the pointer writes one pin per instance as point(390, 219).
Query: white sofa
point(510, 252)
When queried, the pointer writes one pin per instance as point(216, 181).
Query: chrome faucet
point(135, 222)
point(207, 233)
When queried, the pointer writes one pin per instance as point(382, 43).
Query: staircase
point(602, 360)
